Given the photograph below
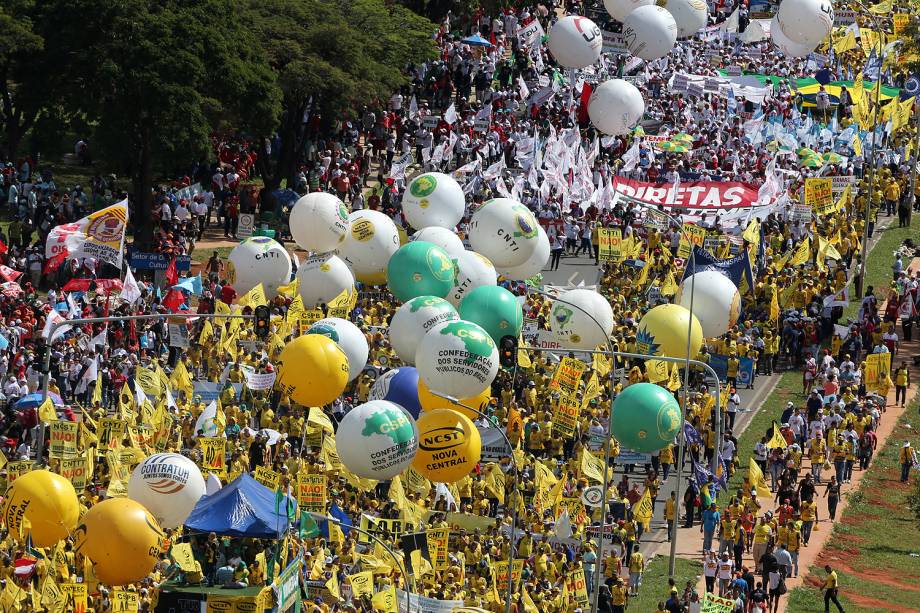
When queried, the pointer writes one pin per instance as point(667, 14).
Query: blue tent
point(243, 508)
point(476, 41)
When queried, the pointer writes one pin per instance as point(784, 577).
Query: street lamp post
point(399, 566)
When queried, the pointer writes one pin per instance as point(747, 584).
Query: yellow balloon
point(312, 370)
point(663, 332)
point(449, 446)
point(430, 402)
point(48, 501)
point(122, 539)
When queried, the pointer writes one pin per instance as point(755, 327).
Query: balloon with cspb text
point(169, 485)
point(449, 446)
point(48, 501)
point(377, 440)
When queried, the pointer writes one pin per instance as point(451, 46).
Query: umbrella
point(832, 158)
point(673, 147)
point(476, 41)
point(30, 401)
point(683, 137)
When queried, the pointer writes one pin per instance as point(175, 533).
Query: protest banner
point(501, 574)
point(568, 376)
point(213, 451)
point(268, 477)
point(63, 439)
point(14, 470)
point(124, 601)
point(690, 235)
point(729, 199)
point(719, 363)
point(311, 493)
point(75, 595)
point(438, 541)
point(578, 588)
point(819, 195)
point(384, 529)
point(716, 604)
point(565, 416)
point(609, 242)
point(77, 470)
point(111, 432)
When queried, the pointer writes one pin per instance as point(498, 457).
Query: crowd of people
point(507, 122)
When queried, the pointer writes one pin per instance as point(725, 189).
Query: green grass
point(655, 582)
point(878, 269)
point(68, 173)
point(877, 534)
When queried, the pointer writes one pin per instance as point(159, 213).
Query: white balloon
point(806, 22)
point(505, 231)
point(322, 278)
point(377, 440)
point(575, 41)
point(259, 259)
point(616, 107)
point(212, 485)
point(371, 242)
point(349, 338)
point(457, 358)
point(650, 32)
point(434, 199)
point(169, 486)
point(620, 9)
point(690, 16)
point(473, 270)
point(574, 325)
point(534, 263)
point(716, 301)
point(413, 319)
point(784, 44)
point(319, 222)
point(442, 237)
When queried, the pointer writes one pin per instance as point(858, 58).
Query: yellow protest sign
point(77, 470)
point(267, 477)
point(118, 476)
point(592, 467)
point(311, 493)
point(308, 318)
point(75, 596)
point(253, 298)
point(385, 600)
point(610, 244)
point(643, 511)
point(438, 539)
point(578, 588)
point(384, 529)
point(14, 470)
point(501, 573)
point(574, 506)
point(900, 21)
point(63, 439)
point(124, 601)
point(111, 432)
point(565, 416)
point(213, 451)
point(568, 376)
point(362, 584)
point(819, 195)
point(690, 235)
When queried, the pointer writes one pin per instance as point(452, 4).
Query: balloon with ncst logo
point(449, 446)
point(47, 500)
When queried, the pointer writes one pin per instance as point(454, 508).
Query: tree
point(158, 77)
point(330, 57)
point(21, 96)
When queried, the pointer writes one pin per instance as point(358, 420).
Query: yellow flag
point(523, 359)
point(669, 285)
point(362, 584)
point(46, 411)
point(776, 439)
point(254, 297)
point(643, 511)
point(827, 250)
point(774, 307)
point(857, 145)
point(674, 381)
point(601, 365)
point(333, 586)
point(802, 254)
point(882, 8)
point(291, 289)
point(752, 232)
point(592, 467)
point(385, 600)
point(845, 43)
point(643, 276)
point(758, 482)
point(657, 370)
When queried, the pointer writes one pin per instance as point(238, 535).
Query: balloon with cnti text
point(349, 338)
point(449, 446)
point(616, 107)
point(323, 278)
point(47, 500)
point(420, 269)
point(371, 241)
point(457, 358)
point(806, 22)
point(398, 385)
point(650, 32)
point(575, 41)
point(504, 231)
point(663, 332)
point(312, 370)
point(434, 199)
point(645, 417)
point(258, 259)
point(442, 237)
point(377, 440)
point(495, 309)
point(689, 15)
point(581, 318)
point(534, 263)
point(473, 270)
point(319, 222)
point(715, 298)
point(122, 539)
point(414, 319)
point(169, 485)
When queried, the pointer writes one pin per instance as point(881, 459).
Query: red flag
point(3, 248)
point(54, 262)
point(77, 285)
point(583, 104)
point(132, 330)
point(172, 275)
point(8, 273)
point(173, 300)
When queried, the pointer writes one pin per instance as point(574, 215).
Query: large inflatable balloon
point(616, 107)
point(806, 22)
point(505, 231)
point(258, 259)
point(788, 46)
point(534, 263)
point(663, 332)
point(650, 32)
point(319, 222)
point(415, 318)
point(495, 309)
point(473, 270)
point(457, 358)
point(349, 338)
point(434, 199)
point(575, 42)
point(369, 245)
point(442, 237)
point(169, 486)
point(377, 440)
point(645, 417)
point(122, 538)
point(716, 301)
point(431, 402)
point(48, 501)
point(323, 278)
point(400, 386)
point(620, 9)
point(449, 446)
point(312, 370)
point(585, 325)
point(689, 15)
point(420, 269)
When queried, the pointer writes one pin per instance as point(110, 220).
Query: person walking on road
point(830, 588)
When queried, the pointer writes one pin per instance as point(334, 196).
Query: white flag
point(631, 157)
point(564, 526)
point(413, 108)
point(450, 115)
point(206, 424)
point(130, 291)
point(523, 90)
point(51, 319)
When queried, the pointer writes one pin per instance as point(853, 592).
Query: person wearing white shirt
point(182, 214)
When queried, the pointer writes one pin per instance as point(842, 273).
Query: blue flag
point(873, 68)
point(733, 268)
point(344, 520)
point(692, 435)
point(911, 87)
